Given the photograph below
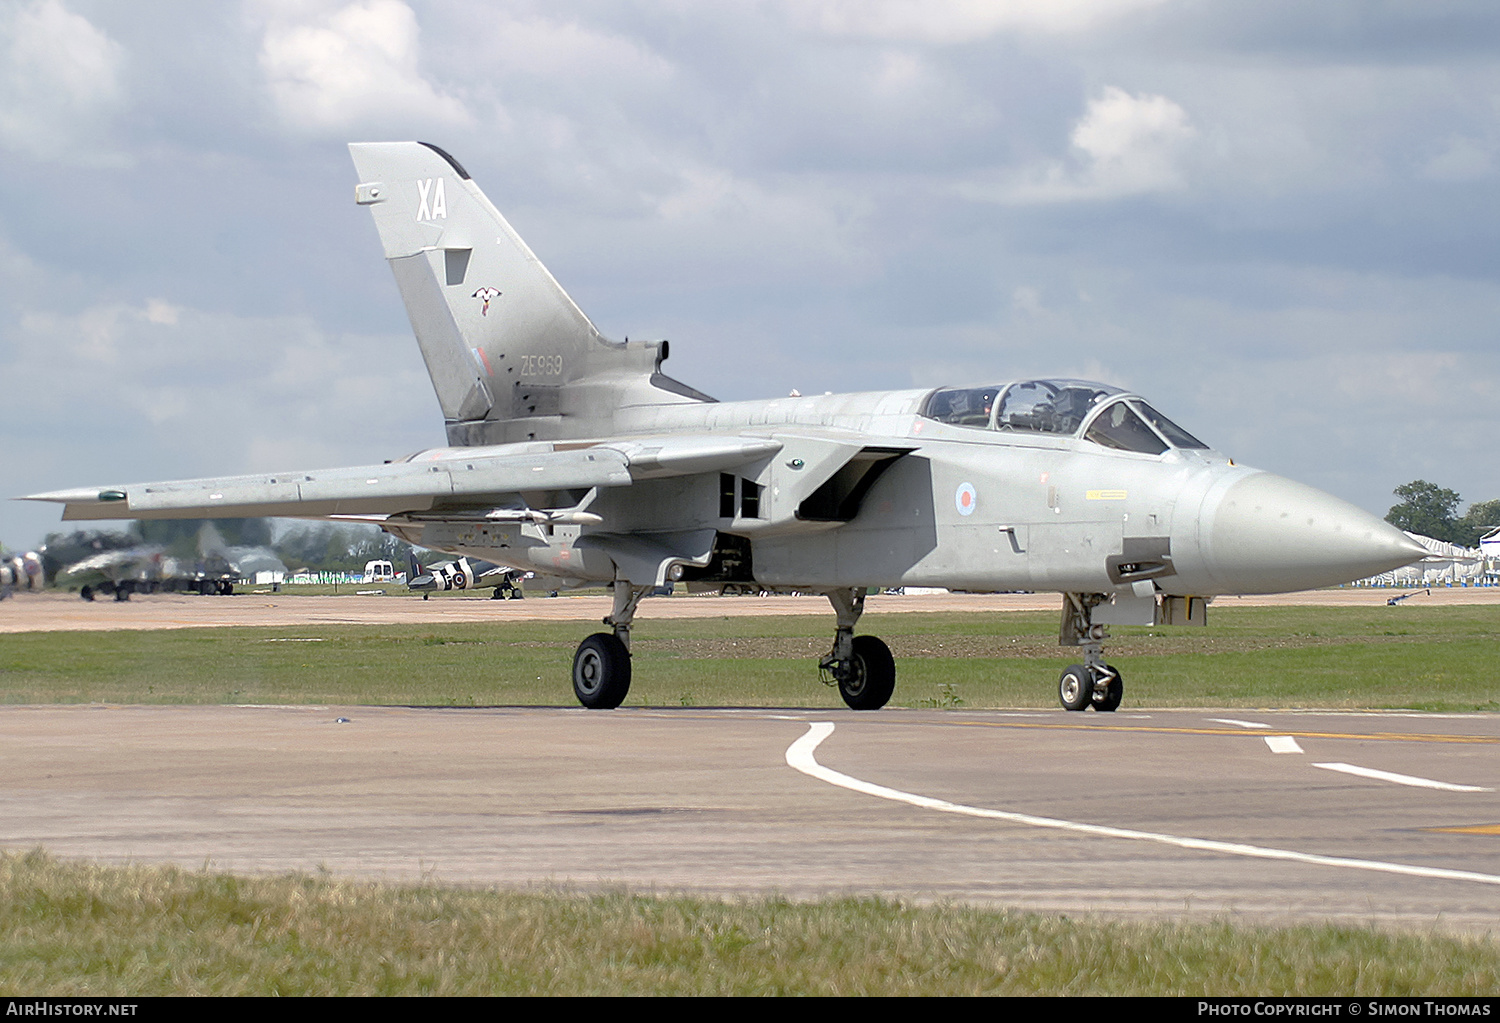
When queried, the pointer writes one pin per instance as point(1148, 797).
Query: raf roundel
point(965, 498)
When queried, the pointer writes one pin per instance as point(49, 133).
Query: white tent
point(1446, 564)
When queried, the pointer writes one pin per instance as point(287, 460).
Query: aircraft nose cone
point(1271, 535)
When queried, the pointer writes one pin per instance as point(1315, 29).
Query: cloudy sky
point(1278, 220)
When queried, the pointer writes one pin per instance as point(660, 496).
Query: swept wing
point(446, 480)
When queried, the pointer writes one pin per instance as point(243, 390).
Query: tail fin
point(502, 341)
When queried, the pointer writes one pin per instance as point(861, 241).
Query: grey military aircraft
point(576, 457)
point(149, 568)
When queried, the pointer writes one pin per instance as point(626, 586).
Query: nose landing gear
point(1092, 683)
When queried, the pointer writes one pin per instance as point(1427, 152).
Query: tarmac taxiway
point(1241, 815)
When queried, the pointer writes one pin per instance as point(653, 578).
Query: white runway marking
point(1283, 744)
point(1401, 779)
point(800, 757)
point(1238, 724)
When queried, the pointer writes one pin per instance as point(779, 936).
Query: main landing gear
point(601, 667)
point(861, 666)
point(1092, 683)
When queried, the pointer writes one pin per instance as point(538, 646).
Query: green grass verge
point(84, 929)
point(1429, 658)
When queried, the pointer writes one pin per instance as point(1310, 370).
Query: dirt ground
point(52, 612)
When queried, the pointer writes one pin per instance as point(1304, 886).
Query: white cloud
point(158, 311)
point(1027, 301)
point(183, 391)
point(1428, 378)
point(1123, 145)
point(354, 66)
point(61, 80)
point(566, 50)
point(956, 21)
point(1132, 139)
point(1462, 159)
point(1356, 427)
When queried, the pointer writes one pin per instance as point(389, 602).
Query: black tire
point(601, 672)
point(1114, 692)
point(872, 676)
point(87, 593)
point(1076, 688)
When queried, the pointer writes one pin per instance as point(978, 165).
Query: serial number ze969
point(541, 365)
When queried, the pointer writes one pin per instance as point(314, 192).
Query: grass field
point(82, 929)
point(1429, 658)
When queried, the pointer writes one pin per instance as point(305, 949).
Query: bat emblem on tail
point(486, 294)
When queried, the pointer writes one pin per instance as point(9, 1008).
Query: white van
point(379, 572)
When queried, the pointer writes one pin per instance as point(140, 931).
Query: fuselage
point(967, 502)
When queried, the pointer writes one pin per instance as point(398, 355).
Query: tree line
point(1431, 510)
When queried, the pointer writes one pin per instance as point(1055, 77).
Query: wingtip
point(78, 495)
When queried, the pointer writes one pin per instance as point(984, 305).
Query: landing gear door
point(1135, 606)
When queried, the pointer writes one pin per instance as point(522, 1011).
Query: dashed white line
point(1283, 744)
point(1238, 724)
point(1401, 779)
point(800, 757)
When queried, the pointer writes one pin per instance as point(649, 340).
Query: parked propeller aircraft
point(577, 458)
point(465, 574)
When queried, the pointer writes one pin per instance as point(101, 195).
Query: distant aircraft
point(233, 562)
point(465, 574)
point(577, 458)
point(119, 573)
point(148, 568)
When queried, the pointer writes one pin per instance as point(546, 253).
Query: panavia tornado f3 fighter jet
point(575, 457)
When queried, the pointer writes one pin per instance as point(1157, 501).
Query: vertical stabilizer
point(503, 343)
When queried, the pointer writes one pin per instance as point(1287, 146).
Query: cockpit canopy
point(1099, 413)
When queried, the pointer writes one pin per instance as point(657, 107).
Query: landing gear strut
point(1092, 683)
point(861, 666)
point(601, 667)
